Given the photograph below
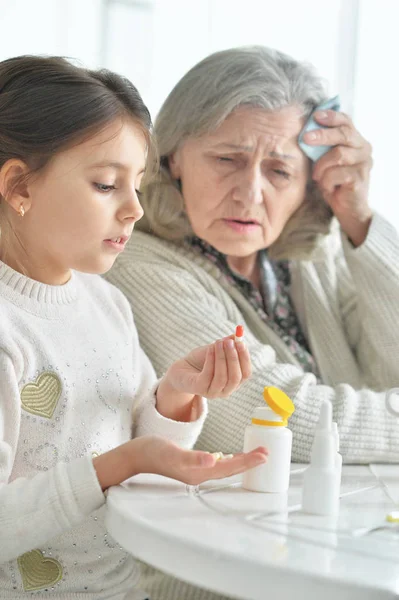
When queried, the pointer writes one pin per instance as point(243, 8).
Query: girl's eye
point(102, 187)
point(139, 194)
point(224, 159)
point(282, 173)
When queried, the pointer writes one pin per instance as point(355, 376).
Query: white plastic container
point(338, 457)
point(320, 492)
point(269, 428)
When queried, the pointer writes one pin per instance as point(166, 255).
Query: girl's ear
point(13, 184)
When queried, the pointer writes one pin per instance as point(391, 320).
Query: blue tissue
point(316, 152)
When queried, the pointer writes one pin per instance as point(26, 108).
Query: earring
point(21, 210)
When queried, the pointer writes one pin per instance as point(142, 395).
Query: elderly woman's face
point(242, 182)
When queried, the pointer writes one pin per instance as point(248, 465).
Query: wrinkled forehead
point(248, 128)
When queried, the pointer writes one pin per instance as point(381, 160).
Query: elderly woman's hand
point(342, 174)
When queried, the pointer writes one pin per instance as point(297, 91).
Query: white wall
point(154, 42)
point(128, 44)
point(182, 32)
point(62, 27)
point(376, 98)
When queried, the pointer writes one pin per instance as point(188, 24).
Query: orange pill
point(239, 331)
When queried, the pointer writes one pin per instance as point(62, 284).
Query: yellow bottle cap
point(279, 402)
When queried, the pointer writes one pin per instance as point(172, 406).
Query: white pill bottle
point(269, 428)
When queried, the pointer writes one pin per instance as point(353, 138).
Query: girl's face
point(81, 209)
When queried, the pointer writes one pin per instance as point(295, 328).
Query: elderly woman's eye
point(224, 159)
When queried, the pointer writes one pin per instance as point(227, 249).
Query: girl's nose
point(133, 209)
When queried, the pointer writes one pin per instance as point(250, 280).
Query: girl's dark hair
point(48, 104)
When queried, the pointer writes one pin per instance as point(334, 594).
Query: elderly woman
point(241, 228)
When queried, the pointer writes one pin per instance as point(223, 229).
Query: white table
point(226, 540)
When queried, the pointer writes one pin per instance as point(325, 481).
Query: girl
point(73, 379)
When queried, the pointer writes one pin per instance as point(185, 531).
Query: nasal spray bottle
point(320, 492)
point(269, 428)
point(338, 456)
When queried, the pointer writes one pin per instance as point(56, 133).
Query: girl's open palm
point(158, 455)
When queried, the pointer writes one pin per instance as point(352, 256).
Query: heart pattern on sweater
point(41, 397)
point(37, 571)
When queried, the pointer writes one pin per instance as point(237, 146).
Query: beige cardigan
point(347, 303)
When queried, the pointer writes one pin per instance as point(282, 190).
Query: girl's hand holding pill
point(213, 371)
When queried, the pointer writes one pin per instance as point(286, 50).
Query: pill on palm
point(220, 455)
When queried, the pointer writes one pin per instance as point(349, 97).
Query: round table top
point(242, 544)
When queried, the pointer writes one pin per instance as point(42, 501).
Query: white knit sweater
point(71, 376)
point(348, 306)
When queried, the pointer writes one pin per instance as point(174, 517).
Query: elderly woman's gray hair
point(251, 76)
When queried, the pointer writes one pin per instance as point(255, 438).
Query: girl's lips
point(118, 246)
point(242, 226)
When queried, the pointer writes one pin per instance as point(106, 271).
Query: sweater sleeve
point(369, 298)
point(146, 419)
point(189, 315)
point(35, 510)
